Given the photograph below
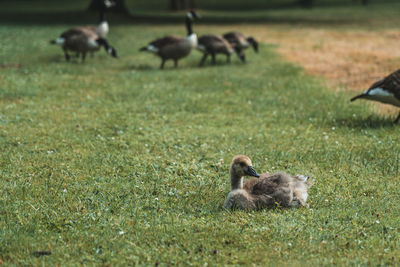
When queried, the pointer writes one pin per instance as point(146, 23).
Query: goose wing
point(235, 38)
point(165, 41)
point(79, 32)
point(274, 188)
point(214, 43)
point(269, 183)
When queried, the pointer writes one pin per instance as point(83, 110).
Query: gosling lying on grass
point(265, 191)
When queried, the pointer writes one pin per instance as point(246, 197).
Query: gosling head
point(241, 166)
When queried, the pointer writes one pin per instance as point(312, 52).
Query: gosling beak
point(251, 172)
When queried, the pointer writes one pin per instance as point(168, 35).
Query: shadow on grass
point(138, 67)
point(371, 122)
point(60, 58)
point(170, 67)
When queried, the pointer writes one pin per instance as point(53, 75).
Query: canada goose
point(174, 47)
point(386, 91)
point(82, 41)
point(102, 28)
point(214, 44)
point(266, 191)
point(237, 39)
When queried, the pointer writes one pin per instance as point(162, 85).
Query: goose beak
point(251, 172)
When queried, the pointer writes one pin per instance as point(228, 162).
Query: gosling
point(266, 190)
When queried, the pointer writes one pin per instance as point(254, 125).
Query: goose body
point(101, 30)
point(386, 91)
point(211, 44)
point(241, 42)
point(267, 190)
point(82, 40)
point(174, 47)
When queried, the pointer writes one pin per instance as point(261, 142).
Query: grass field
point(114, 162)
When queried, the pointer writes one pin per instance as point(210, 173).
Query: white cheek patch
point(60, 41)
point(108, 3)
point(189, 15)
point(152, 48)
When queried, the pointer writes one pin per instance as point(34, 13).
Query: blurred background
point(228, 11)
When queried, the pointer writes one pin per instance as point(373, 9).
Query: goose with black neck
point(175, 47)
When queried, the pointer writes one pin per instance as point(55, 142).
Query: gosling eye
point(242, 164)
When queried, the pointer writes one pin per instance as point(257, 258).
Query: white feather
point(102, 29)
point(60, 41)
point(152, 48)
point(92, 43)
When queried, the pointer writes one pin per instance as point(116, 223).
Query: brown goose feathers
point(211, 44)
point(385, 91)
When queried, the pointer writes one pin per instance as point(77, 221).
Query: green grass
point(116, 162)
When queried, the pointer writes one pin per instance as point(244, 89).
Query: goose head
point(109, 49)
point(241, 166)
point(108, 3)
point(253, 43)
point(192, 15)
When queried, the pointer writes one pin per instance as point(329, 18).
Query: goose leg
point(83, 56)
point(242, 57)
point(397, 119)
point(203, 59)
point(228, 58)
point(175, 63)
point(162, 64)
point(67, 57)
point(213, 58)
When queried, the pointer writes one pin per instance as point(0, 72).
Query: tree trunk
point(119, 6)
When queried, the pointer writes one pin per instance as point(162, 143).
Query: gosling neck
point(236, 180)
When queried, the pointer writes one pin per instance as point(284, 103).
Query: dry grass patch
point(348, 59)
